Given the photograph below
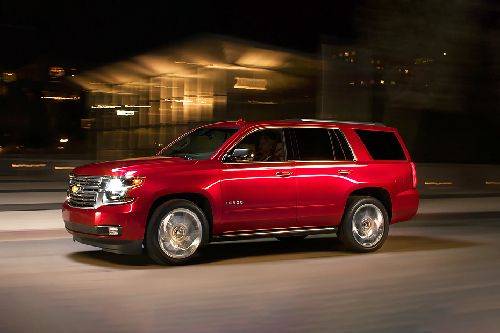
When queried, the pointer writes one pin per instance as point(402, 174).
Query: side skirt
point(277, 232)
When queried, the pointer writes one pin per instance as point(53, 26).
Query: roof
point(304, 122)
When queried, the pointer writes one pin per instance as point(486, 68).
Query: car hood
point(134, 166)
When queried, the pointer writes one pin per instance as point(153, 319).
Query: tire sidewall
point(152, 244)
point(346, 234)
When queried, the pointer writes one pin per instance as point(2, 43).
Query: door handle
point(283, 173)
point(344, 172)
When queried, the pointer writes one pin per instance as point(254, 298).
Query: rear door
point(324, 167)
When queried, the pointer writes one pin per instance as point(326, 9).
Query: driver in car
point(269, 150)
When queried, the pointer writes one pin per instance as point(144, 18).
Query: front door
point(258, 186)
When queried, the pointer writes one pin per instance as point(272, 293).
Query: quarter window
point(382, 145)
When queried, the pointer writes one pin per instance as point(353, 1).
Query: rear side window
point(313, 144)
point(382, 145)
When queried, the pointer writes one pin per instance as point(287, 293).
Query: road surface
point(438, 273)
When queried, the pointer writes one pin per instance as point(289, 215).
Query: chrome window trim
point(259, 127)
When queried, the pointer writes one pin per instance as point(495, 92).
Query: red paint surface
point(314, 194)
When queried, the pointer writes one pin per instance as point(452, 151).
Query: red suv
point(237, 180)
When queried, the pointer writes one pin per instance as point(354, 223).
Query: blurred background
point(86, 81)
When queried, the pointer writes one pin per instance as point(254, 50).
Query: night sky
point(460, 38)
point(86, 33)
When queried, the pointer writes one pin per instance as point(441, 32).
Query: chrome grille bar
point(83, 191)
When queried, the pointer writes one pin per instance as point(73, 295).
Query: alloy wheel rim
point(179, 233)
point(368, 225)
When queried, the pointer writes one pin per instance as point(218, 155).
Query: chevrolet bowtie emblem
point(75, 188)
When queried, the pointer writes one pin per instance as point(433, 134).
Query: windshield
point(199, 144)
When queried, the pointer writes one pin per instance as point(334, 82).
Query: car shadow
point(269, 250)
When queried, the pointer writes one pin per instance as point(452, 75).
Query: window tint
point(313, 144)
point(263, 146)
point(382, 145)
point(341, 148)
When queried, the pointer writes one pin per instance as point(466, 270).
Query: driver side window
point(265, 145)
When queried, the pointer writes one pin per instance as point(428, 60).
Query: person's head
point(266, 144)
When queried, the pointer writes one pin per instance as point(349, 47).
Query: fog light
point(113, 231)
point(109, 230)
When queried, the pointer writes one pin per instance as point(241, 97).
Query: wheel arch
point(379, 193)
point(200, 200)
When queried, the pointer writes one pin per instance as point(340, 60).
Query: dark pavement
point(433, 275)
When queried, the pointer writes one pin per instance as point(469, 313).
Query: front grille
point(83, 190)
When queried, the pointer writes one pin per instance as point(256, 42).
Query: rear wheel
point(176, 232)
point(365, 225)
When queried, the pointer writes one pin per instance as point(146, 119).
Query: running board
point(277, 232)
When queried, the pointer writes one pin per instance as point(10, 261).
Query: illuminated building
point(147, 100)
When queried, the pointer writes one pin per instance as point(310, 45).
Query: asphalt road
point(439, 274)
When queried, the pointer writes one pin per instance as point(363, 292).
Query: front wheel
point(176, 232)
point(365, 225)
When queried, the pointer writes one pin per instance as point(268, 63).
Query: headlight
point(116, 189)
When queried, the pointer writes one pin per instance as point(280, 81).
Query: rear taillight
point(413, 175)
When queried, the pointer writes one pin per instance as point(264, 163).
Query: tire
point(370, 231)
point(186, 232)
point(291, 239)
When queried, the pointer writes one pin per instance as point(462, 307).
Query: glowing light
point(8, 76)
point(63, 140)
point(437, 183)
point(137, 182)
point(63, 167)
point(137, 106)
point(250, 83)
point(382, 81)
point(61, 98)
point(492, 182)
point(56, 71)
point(233, 67)
point(196, 101)
point(103, 106)
point(125, 112)
point(25, 165)
point(99, 106)
point(444, 53)
point(176, 100)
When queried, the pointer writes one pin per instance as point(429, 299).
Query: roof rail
point(340, 121)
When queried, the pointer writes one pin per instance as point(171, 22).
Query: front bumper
point(111, 245)
point(113, 228)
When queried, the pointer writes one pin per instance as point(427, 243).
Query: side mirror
point(240, 155)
